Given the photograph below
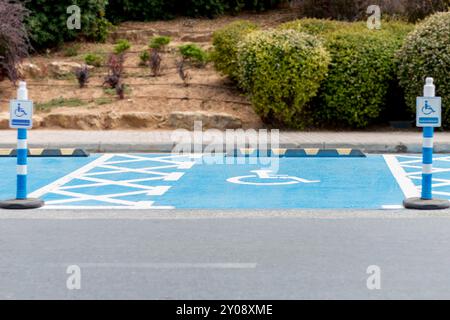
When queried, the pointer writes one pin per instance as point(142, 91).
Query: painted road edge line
point(407, 186)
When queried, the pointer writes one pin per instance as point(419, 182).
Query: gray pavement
point(164, 141)
point(297, 254)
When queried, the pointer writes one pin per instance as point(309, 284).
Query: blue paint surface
point(345, 183)
point(364, 183)
point(41, 171)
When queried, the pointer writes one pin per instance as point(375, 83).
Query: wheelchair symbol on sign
point(20, 112)
point(427, 109)
point(269, 179)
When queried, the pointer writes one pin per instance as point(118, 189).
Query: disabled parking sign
point(429, 112)
point(21, 114)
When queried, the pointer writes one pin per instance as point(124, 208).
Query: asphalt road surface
point(224, 254)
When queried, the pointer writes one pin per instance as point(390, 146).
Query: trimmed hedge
point(281, 70)
point(354, 93)
point(225, 42)
point(362, 72)
point(426, 53)
point(48, 21)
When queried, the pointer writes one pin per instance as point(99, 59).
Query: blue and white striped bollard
point(428, 118)
point(19, 109)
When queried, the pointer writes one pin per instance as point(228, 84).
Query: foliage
point(48, 21)
point(426, 53)
point(59, 102)
point(419, 9)
point(159, 42)
point(183, 73)
point(362, 69)
point(144, 58)
point(155, 62)
point(121, 46)
point(93, 60)
point(282, 71)
point(82, 75)
point(194, 54)
point(14, 42)
point(225, 41)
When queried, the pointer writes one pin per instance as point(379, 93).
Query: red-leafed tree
point(14, 43)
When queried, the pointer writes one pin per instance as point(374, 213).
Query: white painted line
point(393, 207)
point(179, 265)
point(405, 183)
point(58, 183)
point(147, 207)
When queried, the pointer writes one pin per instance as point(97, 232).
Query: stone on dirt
point(210, 120)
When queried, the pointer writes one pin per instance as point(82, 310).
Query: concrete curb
point(166, 141)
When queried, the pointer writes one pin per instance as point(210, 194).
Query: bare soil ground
point(148, 100)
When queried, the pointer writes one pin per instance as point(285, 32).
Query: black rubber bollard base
point(21, 204)
point(420, 204)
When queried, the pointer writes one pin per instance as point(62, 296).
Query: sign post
point(21, 118)
point(429, 116)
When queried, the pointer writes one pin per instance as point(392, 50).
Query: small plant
point(120, 90)
point(183, 73)
point(82, 75)
point(144, 58)
point(93, 60)
point(71, 51)
point(59, 102)
point(155, 63)
point(194, 54)
point(121, 46)
point(159, 42)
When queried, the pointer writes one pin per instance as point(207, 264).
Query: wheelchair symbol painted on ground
point(268, 179)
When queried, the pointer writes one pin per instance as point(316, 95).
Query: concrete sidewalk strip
point(165, 141)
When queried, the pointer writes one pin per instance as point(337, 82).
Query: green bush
point(121, 46)
point(144, 58)
point(225, 43)
point(193, 53)
point(426, 53)
point(93, 60)
point(282, 71)
point(317, 27)
point(48, 22)
point(159, 42)
point(361, 73)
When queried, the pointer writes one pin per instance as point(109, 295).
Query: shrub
point(282, 71)
point(155, 62)
point(159, 42)
point(144, 58)
point(194, 54)
point(362, 70)
point(82, 75)
point(225, 43)
point(71, 51)
point(93, 60)
point(121, 46)
point(426, 53)
point(317, 27)
point(48, 21)
point(14, 43)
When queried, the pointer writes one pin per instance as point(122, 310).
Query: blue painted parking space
point(194, 181)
